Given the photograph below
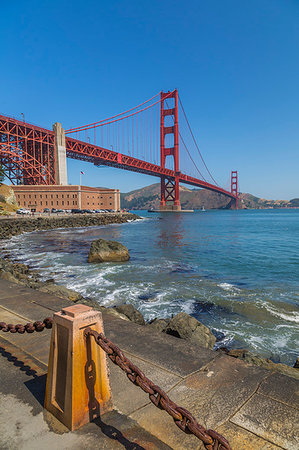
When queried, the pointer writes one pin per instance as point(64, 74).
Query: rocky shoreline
point(182, 325)
point(13, 226)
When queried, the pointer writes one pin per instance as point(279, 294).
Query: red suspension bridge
point(145, 139)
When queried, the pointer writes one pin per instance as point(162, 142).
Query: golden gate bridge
point(145, 139)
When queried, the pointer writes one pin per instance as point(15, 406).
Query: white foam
point(292, 316)
point(228, 287)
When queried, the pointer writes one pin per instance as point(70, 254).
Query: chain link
point(181, 416)
point(28, 327)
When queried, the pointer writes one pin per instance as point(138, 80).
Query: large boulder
point(159, 324)
point(132, 313)
point(107, 251)
point(186, 327)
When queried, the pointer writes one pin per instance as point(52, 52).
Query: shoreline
point(22, 274)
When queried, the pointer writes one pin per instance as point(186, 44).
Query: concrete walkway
point(252, 407)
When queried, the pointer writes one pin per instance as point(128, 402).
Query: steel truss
point(27, 152)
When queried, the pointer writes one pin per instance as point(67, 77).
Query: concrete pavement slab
point(270, 419)
point(127, 397)
point(282, 388)
point(212, 395)
point(24, 425)
point(243, 439)
point(152, 345)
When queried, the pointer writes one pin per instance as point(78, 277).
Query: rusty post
point(78, 388)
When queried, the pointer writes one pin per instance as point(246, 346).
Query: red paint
point(27, 152)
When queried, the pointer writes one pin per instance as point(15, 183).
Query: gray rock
point(107, 251)
point(186, 327)
point(159, 324)
point(116, 313)
point(132, 313)
point(61, 291)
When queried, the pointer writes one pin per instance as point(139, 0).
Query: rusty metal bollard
point(78, 388)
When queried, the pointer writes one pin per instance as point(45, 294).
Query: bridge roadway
point(101, 156)
point(21, 144)
point(252, 407)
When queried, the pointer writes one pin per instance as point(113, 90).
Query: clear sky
point(235, 64)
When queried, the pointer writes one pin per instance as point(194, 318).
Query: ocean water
point(235, 271)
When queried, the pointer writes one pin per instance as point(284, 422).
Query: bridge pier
point(170, 188)
point(60, 154)
point(170, 192)
point(234, 189)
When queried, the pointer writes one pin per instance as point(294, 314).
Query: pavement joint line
point(257, 435)
point(25, 351)
point(278, 401)
point(9, 347)
point(151, 363)
point(250, 396)
point(15, 314)
point(45, 307)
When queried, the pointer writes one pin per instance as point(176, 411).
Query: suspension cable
point(196, 143)
point(188, 150)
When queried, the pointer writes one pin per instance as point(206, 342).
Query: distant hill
point(149, 197)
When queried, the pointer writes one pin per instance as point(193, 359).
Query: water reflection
point(170, 233)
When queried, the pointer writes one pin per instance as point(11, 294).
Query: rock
point(257, 360)
point(9, 277)
point(132, 313)
point(106, 251)
point(237, 353)
point(296, 365)
point(159, 324)
point(61, 291)
point(186, 327)
point(115, 313)
point(21, 268)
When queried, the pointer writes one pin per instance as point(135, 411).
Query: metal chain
point(181, 416)
point(28, 327)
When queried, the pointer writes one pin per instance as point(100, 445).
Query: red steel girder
point(27, 152)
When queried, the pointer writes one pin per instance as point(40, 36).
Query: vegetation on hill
point(8, 201)
point(149, 198)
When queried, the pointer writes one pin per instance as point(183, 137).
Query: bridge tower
point(234, 189)
point(170, 187)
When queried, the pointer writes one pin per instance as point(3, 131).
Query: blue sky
point(235, 64)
